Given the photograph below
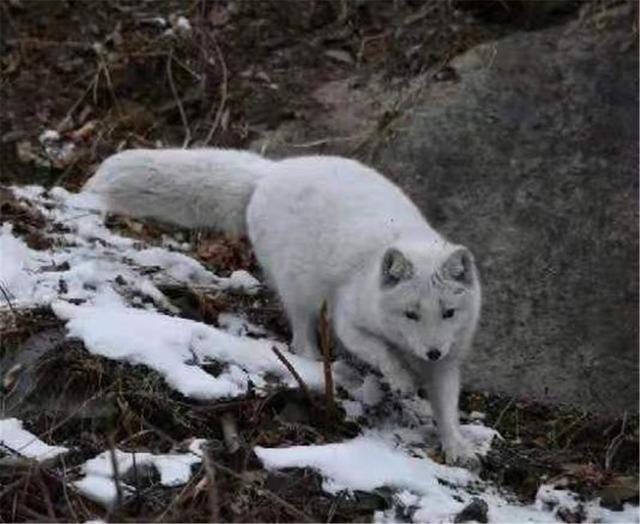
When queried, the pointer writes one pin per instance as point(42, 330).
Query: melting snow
point(15, 439)
point(88, 260)
point(99, 482)
point(176, 348)
point(365, 463)
point(425, 490)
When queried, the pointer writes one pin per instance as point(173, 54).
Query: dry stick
point(325, 346)
point(174, 91)
point(223, 93)
point(96, 84)
point(569, 428)
point(14, 508)
point(38, 469)
point(46, 494)
point(90, 87)
point(299, 514)
point(293, 371)
point(214, 505)
point(37, 517)
point(107, 76)
point(11, 487)
point(116, 476)
point(502, 413)
point(65, 491)
point(8, 299)
point(230, 432)
point(178, 498)
point(41, 42)
point(72, 414)
point(613, 446)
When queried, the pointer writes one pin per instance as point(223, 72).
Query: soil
point(106, 76)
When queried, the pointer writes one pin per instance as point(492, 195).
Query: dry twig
point(116, 474)
point(223, 93)
point(295, 512)
point(214, 504)
point(5, 294)
point(613, 446)
point(46, 495)
point(293, 371)
point(174, 91)
point(325, 346)
point(230, 432)
point(502, 413)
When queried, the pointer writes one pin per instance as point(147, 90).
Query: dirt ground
point(108, 75)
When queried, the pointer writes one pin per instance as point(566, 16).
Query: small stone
point(476, 511)
point(568, 515)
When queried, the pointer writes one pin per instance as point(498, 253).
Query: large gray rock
point(529, 155)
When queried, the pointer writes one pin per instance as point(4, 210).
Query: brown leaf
point(224, 253)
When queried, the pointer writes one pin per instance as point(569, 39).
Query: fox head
point(429, 299)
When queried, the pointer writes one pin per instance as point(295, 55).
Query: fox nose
point(433, 354)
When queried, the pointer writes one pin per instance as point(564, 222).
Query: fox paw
point(460, 453)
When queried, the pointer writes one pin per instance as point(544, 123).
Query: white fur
point(200, 188)
point(322, 228)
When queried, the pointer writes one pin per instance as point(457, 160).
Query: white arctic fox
point(402, 298)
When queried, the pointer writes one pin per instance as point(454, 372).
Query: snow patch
point(365, 463)
point(89, 260)
point(17, 440)
point(99, 482)
point(239, 326)
point(177, 348)
point(425, 490)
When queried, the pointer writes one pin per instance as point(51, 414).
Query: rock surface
point(527, 152)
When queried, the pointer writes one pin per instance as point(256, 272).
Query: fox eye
point(412, 315)
point(448, 313)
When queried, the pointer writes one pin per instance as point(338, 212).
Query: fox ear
point(459, 266)
point(395, 268)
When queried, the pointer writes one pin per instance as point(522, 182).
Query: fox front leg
point(376, 353)
point(443, 387)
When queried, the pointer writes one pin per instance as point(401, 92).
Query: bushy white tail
point(200, 188)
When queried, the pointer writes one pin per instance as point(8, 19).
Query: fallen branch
point(5, 294)
point(116, 473)
point(46, 495)
point(297, 513)
point(293, 371)
point(42, 42)
point(175, 501)
point(325, 346)
point(214, 505)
